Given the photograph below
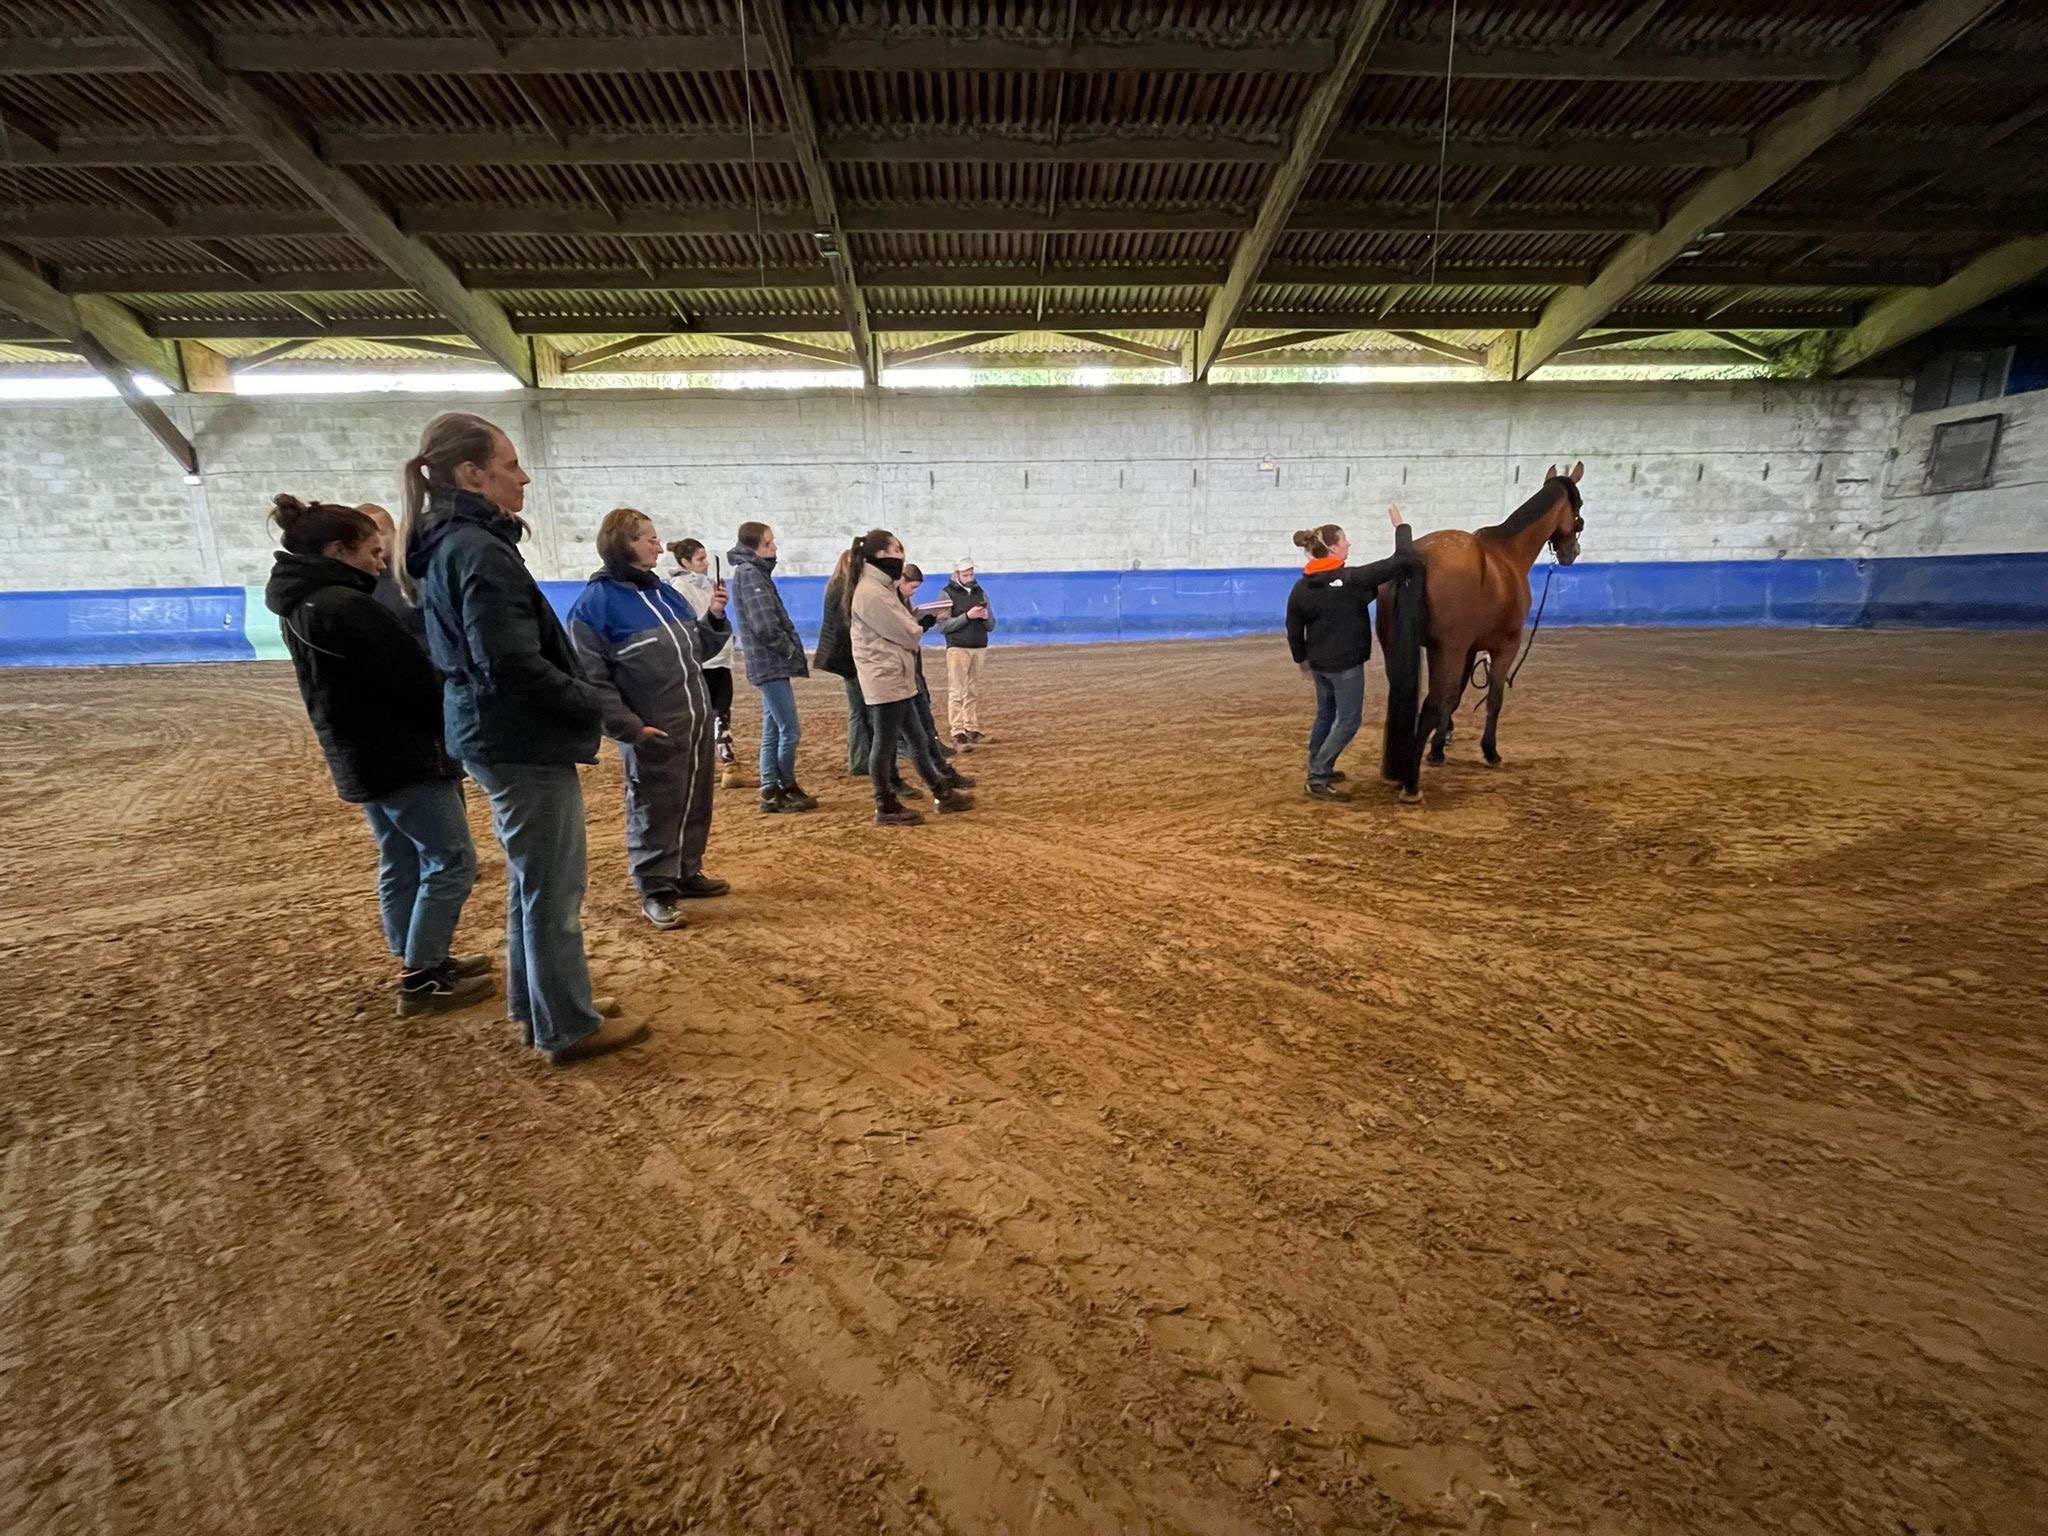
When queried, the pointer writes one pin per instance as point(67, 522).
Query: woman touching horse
point(1477, 595)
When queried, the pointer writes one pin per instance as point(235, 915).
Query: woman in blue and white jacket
point(643, 649)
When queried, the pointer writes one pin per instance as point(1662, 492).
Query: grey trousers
point(668, 806)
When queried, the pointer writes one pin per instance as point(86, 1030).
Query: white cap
point(964, 563)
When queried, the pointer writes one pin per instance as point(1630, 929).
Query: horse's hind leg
point(1448, 727)
point(1496, 695)
point(1445, 686)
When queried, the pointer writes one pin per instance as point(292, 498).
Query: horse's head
point(1570, 520)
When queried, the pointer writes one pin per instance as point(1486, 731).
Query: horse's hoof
point(1436, 758)
point(1492, 759)
point(1411, 797)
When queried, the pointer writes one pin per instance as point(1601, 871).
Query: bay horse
point(1475, 591)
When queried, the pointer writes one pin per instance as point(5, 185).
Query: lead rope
point(1482, 669)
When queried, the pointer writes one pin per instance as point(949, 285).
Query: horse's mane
point(1532, 510)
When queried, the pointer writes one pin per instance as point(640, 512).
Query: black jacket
point(1329, 613)
point(392, 598)
point(835, 637)
point(372, 695)
point(514, 693)
point(959, 630)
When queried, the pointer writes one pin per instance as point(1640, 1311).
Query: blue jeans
point(1340, 700)
point(537, 812)
point(779, 735)
point(425, 867)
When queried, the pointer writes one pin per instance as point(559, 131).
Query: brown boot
point(736, 777)
point(894, 813)
point(606, 1005)
point(948, 800)
point(611, 1035)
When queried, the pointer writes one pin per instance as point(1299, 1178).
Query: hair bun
point(286, 509)
point(1305, 538)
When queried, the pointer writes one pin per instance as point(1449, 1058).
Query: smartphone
point(717, 569)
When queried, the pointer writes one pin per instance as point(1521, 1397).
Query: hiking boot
point(796, 800)
point(960, 780)
point(735, 777)
point(470, 965)
point(940, 749)
point(611, 1035)
point(1339, 777)
point(440, 990)
point(774, 800)
point(700, 885)
point(660, 910)
point(1322, 791)
point(948, 800)
point(894, 813)
point(977, 737)
point(963, 742)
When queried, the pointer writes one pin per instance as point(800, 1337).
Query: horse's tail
point(1401, 755)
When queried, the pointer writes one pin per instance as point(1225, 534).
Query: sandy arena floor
point(1646, 1137)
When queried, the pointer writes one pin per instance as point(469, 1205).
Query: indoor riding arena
point(464, 1075)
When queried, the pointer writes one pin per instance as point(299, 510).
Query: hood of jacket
point(294, 578)
point(1322, 578)
point(627, 575)
point(739, 554)
point(449, 510)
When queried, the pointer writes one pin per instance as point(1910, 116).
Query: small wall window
point(1963, 453)
point(1962, 378)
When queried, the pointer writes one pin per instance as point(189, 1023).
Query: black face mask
point(891, 568)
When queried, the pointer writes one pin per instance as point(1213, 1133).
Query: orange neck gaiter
point(1327, 563)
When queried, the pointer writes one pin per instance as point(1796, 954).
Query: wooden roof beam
point(1780, 148)
point(577, 362)
point(147, 411)
point(189, 56)
point(1900, 317)
point(827, 231)
point(115, 329)
point(1312, 132)
point(932, 349)
point(1471, 357)
point(1166, 356)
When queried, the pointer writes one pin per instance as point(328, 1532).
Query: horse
point(1475, 592)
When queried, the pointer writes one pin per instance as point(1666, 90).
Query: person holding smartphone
point(642, 648)
point(694, 578)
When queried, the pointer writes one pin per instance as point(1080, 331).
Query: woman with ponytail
point(1329, 633)
point(375, 705)
point(885, 655)
point(519, 715)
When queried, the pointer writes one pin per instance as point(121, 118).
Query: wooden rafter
point(578, 362)
point(1470, 356)
point(1237, 351)
point(112, 326)
point(1781, 147)
point(189, 56)
point(810, 158)
point(1902, 316)
point(1312, 131)
point(933, 349)
point(1167, 356)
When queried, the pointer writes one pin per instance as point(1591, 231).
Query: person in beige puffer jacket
point(885, 644)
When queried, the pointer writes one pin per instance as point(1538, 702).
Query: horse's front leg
point(1496, 694)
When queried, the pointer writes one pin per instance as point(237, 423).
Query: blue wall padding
point(137, 624)
point(168, 624)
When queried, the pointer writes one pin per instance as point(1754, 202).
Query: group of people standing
point(449, 660)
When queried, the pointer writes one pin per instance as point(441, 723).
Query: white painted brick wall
point(1035, 479)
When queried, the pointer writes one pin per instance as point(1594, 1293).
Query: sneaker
point(736, 777)
point(949, 800)
point(774, 801)
point(977, 737)
point(470, 965)
point(1318, 791)
point(960, 780)
point(439, 991)
point(963, 741)
point(612, 1035)
point(893, 813)
point(660, 910)
point(1339, 777)
point(696, 887)
point(796, 800)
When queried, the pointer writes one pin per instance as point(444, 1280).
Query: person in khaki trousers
point(966, 630)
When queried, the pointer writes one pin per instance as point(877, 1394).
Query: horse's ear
point(1578, 471)
point(1550, 473)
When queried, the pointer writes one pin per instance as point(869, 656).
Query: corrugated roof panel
point(103, 103)
point(1173, 185)
point(676, 184)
